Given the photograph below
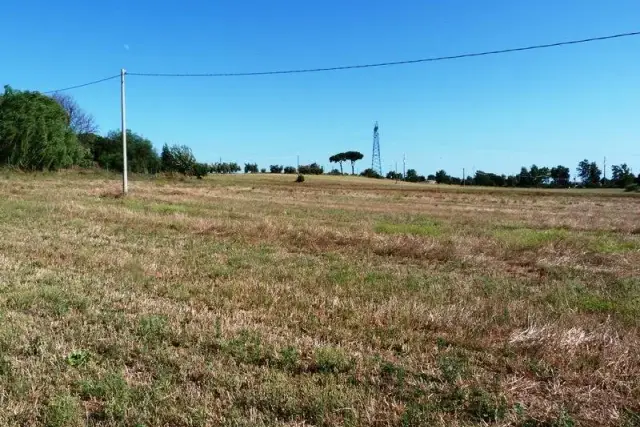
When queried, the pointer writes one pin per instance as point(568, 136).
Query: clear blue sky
point(492, 113)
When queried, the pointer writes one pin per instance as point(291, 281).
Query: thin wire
point(386, 64)
point(83, 85)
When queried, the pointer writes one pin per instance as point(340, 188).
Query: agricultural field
point(251, 300)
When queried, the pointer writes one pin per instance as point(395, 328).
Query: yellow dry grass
point(251, 300)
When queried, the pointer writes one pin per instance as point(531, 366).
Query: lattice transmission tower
point(376, 161)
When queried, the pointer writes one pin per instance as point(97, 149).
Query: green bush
point(34, 133)
point(632, 187)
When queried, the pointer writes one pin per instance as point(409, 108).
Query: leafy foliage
point(338, 158)
point(107, 152)
point(353, 157)
point(621, 175)
point(200, 170)
point(34, 133)
point(276, 168)
point(225, 168)
point(179, 159)
point(250, 168)
point(370, 173)
point(589, 173)
point(290, 170)
point(394, 175)
point(412, 176)
point(312, 169)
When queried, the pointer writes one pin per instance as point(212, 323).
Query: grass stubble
point(255, 301)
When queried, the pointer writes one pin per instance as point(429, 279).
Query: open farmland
point(251, 300)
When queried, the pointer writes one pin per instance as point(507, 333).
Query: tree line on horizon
point(40, 132)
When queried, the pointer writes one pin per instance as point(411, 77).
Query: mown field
point(254, 301)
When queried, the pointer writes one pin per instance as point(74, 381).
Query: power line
point(82, 85)
point(386, 64)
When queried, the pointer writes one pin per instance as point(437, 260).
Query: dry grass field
point(254, 301)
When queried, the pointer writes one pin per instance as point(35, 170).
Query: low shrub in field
point(632, 187)
point(300, 178)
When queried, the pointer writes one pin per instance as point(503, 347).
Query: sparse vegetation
point(250, 300)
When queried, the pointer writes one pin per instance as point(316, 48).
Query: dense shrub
point(312, 169)
point(290, 170)
point(35, 134)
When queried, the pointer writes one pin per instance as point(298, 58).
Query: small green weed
point(77, 358)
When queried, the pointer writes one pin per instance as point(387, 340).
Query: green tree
point(141, 156)
point(200, 170)
point(167, 162)
point(312, 169)
point(250, 168)
point(524, 178)
point(589, 173)
point(483, 179)
point(621, 175)
point(442, 177)
point(276, 168)
point(338, 158)
point(394, 175)
point(412, 176)
point(353, 157)
point(290, 170)
point(35, 133)
point(225, 168)
point(560, 176)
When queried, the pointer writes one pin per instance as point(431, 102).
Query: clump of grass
point(247, 347)
point(332, 360)
point(5, 366)
point(114, 393)
point(51, 299)
point(453, 366)
point(63, 411)
point(486, 407)
point(153, 328)
point(608, 244)
point(289, 358)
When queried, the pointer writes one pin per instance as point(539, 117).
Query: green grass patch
point(423, 228)
point(49, 299)
point(332, 360)
point(113, 391)
point(63, 411)
point(158, 207)
point(608, 243)
point(529, 239)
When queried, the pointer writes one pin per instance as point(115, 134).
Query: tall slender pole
point(463, 177)
point(404, 166)
point(125, 182)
